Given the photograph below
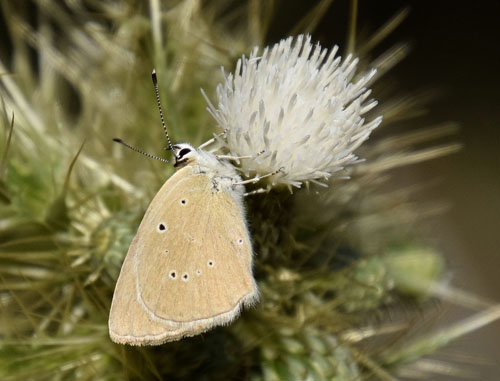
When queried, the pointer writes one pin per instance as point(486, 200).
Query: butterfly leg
point(260, 190)
point(258, 178)
point(213, 140)
point(236, 158)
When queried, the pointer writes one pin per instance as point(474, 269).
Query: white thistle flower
point(299, 105)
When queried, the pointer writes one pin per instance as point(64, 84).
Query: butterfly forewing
point(190, 264)
point(193, 264)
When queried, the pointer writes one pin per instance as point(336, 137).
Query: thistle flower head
point(299, 104)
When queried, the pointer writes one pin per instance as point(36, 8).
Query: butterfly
point(189, 267)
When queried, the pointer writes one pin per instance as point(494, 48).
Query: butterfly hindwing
point(129, 323)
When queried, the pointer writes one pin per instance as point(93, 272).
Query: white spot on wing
point(172, 274)
point(185, 277)
point(183, 202)
point(211, 263)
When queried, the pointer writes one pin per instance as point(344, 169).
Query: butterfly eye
point(183, 152)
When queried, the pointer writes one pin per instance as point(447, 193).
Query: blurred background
point(455, 54)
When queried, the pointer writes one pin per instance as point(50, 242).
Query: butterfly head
point(184, 154)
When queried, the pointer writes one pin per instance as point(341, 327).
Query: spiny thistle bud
point(299, 105)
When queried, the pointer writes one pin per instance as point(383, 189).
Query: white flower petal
point(297, 103)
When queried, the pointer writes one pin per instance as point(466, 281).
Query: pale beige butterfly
point(189, 267)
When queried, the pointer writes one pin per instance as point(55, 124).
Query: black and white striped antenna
point(155, 83)
point(140, 151)
point(157, 92)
